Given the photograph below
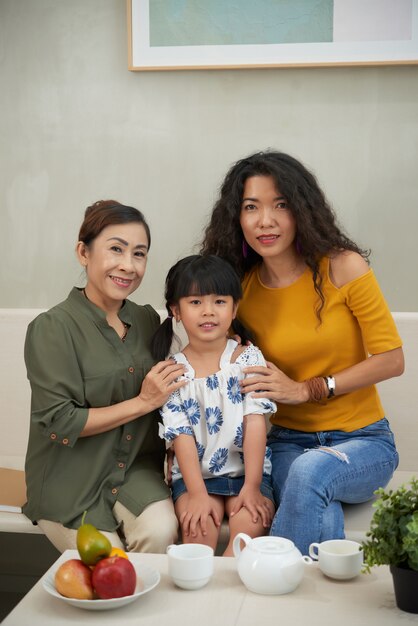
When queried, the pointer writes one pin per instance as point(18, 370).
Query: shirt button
point(65, 441)
point(114, 491)
point(52, 436)
point(128, 437)
point(131, 370)
point(121, 465)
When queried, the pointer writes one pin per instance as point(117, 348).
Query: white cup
point(338, 558)
point(190, 565)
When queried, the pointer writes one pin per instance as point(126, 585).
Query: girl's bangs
point(201, 282)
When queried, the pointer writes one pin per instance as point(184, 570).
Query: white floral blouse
point(212, 411)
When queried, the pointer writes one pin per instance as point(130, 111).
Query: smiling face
point(115, 264)
point(205, 318)
point(266, 220)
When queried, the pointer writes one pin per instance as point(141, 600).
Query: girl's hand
point(256, 504)
point(198, 509)
point(160, 382)
point(274, 384)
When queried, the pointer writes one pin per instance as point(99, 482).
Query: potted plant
point(393, 540)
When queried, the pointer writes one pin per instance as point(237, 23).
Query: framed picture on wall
point(219, 34)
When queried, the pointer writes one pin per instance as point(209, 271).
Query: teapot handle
point(236, 544)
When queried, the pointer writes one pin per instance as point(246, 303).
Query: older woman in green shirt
point(93, 442)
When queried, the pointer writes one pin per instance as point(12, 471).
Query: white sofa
point(399, 396)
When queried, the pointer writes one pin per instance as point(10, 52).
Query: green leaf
point(393, 535)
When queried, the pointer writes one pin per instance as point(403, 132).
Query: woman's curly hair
point(317, 231)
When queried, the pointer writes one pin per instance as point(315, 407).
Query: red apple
point(114, 577)
point(73, 580)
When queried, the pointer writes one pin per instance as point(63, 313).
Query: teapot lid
point(271, 545)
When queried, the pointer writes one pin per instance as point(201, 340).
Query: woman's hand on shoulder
point(346, 266)
point(272, 383)
point(160, 382)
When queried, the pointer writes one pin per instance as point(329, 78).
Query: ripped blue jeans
point(313, 473)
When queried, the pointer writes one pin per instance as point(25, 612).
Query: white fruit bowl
point(147, 579)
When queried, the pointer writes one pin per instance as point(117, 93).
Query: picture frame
point(347, 32)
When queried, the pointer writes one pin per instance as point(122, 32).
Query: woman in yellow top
point(317, 313)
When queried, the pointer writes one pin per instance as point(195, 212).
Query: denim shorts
point(224, 486)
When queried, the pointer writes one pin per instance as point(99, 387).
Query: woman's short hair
point(105, 213)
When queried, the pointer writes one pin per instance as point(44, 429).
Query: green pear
point(92, 545)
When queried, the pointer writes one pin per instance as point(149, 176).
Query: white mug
point(190, 565)
point(338, 558)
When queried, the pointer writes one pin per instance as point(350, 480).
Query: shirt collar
point(95, 313)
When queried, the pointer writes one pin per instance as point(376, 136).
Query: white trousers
point(152, 531)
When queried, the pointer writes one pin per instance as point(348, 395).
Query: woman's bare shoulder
point(346, 266)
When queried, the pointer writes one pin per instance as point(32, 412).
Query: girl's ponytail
point(162, 339)
point(240, 330)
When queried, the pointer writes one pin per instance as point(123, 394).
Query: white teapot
point(269, 565)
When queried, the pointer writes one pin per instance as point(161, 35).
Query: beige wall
point(77, 126)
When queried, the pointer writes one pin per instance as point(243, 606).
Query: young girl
point(221, 463)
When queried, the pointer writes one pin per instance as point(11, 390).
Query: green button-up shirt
point(75, 361)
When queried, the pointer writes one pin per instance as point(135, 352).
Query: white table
point(318, 601)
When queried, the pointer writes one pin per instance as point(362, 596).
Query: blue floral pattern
point(214, 419)
point(218, 460)
point(172, 433)
point(192, 410)
point(234, 390)
point(211, 409)
point(239, 436)
point(268, 405)
point(201, 450)
point(212, 382)
point(174, 403)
